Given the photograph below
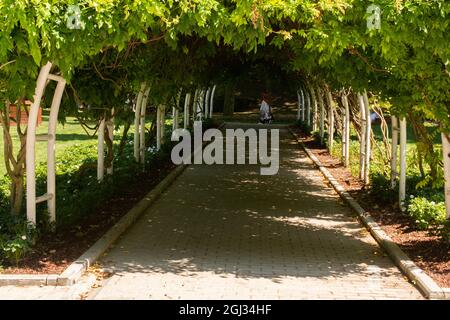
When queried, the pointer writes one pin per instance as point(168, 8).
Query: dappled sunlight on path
point(225, 231)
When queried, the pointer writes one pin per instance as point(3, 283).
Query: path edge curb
point(76, 269)
point(89, 257)
point(426, 285)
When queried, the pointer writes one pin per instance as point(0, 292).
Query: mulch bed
point(55, 252)
point(427, 251)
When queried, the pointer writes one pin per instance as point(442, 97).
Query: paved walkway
point(226, 232)
point(75, 292)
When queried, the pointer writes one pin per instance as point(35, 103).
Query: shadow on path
point(230, 222)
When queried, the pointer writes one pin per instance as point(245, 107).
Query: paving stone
point(226, 232)
point(74, 292)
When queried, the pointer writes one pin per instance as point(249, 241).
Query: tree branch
point(5, 64)
point(103, 78)
point(355, 52)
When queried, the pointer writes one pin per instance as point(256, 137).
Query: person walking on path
point(265, 111)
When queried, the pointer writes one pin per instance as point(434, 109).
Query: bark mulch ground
point(55, 252)
point(429, 252)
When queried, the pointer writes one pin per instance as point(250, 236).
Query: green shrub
point(4, 196)
point(304, 127)
point(4, 188)
point(78, 191)
point(316, 136)
point(15, 249)
point(380, 188)
point(426, 213)
point(76, 183)
point(16, 237)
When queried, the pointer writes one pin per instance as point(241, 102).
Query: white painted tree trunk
point(395, 131)
point(322, 116)
point(316, 109)
point(195, 105)
point(51, 163)
point(175, 112)
point(204, 104)
point(175, 118)
point(163, 123)
point(362, 142)
point(302, 99)
point(402, 182)
point(446, 156)
point(110, 127)
point(187, 101)
point(308, 107)
point(346, 131)
point(207, 105)
point(299, 105)
point(101, 151)
point(367, 136)
point(137, 113)
point(31, 140)
point(342, 111)
point(158, 128)
point(330, 120)
point(211, 102)
point(142, 126)
point(50, 137)
point(201, 99)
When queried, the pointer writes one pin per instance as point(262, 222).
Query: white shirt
point(264, 106)
point(264, 110)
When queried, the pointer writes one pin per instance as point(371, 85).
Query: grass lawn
point(411, 140)
point(377, 163)
point(67, 135)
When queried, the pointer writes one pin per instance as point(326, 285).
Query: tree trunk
point(101, 151)
point(446, 163)
point(109, 149)
point(15, 166)
point(229, 99)
point(402, 180)
point(16, 197)
point(425, 145)
point(362, 144)
point(151, 132)
point(123, 139)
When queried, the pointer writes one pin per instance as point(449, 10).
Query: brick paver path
point(225, 231)
point(75, 292)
